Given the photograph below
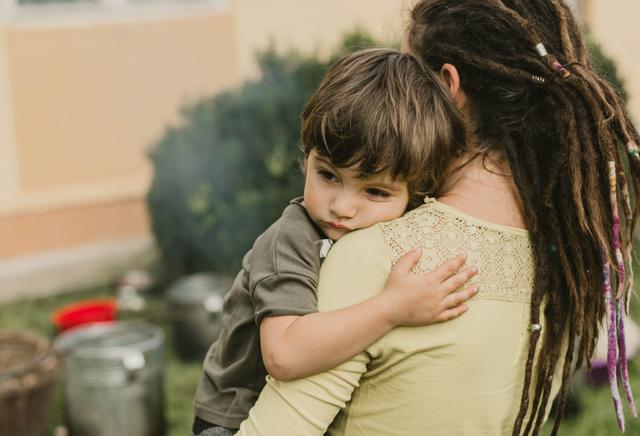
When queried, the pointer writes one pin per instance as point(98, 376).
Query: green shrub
point(605, 66)
point(226, 172)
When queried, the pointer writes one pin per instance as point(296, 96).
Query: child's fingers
point(408, 260)
point(457, 298)
point(460, 278)
point(446, 269)
point(452, 313)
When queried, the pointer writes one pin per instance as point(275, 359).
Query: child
point(367, 134)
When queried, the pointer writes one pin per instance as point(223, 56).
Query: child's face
point(339, 201)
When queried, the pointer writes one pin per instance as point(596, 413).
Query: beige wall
point(100, 95)
point(82, 104)
point(311, 26)
point(613, 23)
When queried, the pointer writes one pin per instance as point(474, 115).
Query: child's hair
point(384, 110)
point(533, 96)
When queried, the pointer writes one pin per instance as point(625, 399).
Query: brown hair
point(559, 134)
point(384, 110)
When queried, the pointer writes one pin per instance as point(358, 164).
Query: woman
point(534, 201)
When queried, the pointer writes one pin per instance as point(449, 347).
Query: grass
point(595, 416)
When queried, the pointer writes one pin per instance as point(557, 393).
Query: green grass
point(595, 417)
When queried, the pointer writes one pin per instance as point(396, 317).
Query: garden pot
point(112, 376)
point(195, 310)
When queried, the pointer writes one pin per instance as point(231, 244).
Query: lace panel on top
point(502, 254)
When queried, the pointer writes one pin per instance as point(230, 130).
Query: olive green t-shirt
point(279, 276)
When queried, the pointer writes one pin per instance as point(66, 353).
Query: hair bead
point(538, 80)
point(541, 49)
point(561, 69)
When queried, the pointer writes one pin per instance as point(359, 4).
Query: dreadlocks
point(533, 96)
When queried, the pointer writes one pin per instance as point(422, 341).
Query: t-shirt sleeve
point(284, 294)
point(356, 268)
point(285, 265)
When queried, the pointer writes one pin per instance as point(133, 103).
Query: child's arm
point(299, 346)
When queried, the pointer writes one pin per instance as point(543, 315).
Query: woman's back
point(465, 376)
point(462, 377)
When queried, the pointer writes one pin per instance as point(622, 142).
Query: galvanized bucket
point(195, 308)
point(113, 379)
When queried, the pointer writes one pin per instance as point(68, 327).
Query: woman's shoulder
point(404, 233)
point(435, 223)
point(355, 269)
point(368, 242)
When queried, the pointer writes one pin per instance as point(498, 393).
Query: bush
point(225, 174)
point(605, 66)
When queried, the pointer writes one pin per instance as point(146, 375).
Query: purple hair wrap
point(612, 345)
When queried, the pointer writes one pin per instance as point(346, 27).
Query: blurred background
point(143, 141)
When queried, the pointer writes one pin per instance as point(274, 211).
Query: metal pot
point(113, 379)
point(195, 309)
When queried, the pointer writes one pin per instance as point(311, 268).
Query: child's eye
point(327, 175)
point(378, 193)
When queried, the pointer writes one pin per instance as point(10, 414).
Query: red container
point(84, 312)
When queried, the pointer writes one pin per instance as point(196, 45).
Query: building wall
point(86, 101)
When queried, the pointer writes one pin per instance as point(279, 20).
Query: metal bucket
point(195, 308)
point(113, 379)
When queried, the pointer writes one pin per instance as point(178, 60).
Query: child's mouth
point(337, 226)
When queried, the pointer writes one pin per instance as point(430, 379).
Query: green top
point(462, 377)
point(279, 276)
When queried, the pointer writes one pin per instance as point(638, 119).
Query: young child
point(368, 133)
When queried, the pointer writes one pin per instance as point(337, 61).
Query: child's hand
point(420, 299)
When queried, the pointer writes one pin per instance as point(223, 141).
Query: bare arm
point(356, 269)
point(299, 346)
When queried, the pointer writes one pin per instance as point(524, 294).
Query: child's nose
point(344, 206)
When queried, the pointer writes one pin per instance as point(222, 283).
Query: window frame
point(89, 11)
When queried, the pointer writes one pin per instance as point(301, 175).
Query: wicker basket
point(28, 369)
